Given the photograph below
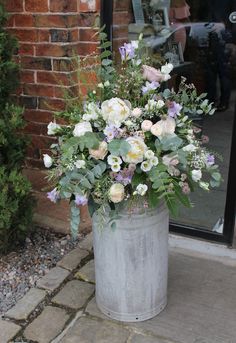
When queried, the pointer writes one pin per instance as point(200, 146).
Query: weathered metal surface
point(131, 264)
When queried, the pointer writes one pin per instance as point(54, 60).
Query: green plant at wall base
point(16, 205)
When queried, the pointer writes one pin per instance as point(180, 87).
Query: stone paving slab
point(87, 242)
point(149, 339)
point(8, 330)
point(26, 305)
point(53, 279)
point(87, 272)
point(72, 260)
point(47, 325)
point(74, 294)
point(88, 330)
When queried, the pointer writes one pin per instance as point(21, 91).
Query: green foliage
point(15, 200)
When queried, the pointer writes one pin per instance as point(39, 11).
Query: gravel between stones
point(20, 270)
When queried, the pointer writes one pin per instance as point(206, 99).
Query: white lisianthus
point(116, 192)
point(141, 189)
point(100, 153)
point(149, 154)
point(146, 166)
point(196, 175)
point(115, 111)
point(137, 112)
point(137, 150)
point(115, 167)
point(154, 161)
point(92, 111)
point(167, 68)
point(81, 128)
point(164, 127)
point(190, 148)
point(80, 164)
point(112, 159)
point(52, 127)
point(151, 105)
point(47, 160)
point(146, 125)
point(107, 83)
point(160, 104)
point(166, 77)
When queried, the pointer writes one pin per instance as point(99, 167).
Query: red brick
point(122, 18)
point(88, 5)
point(23, 35)
point(120, 31)
point(122, 5)
point(36, 63)
point(24, 20)
point(14, 5)
point(27, 76)
point(63, 6)
point(35, 129)
point(67, 65)
point(26, 49)
point(43, 36)
point(54, 50)
point(11, 21)
point(36, 5)
point(33, 163)
point(64, 92)
point(60, 35)
point(85, 48)
point(88, 35)
point(51, 104)
point(56, 20)
point(38, 116)
point(29, 102)
point(87, 19)
point(54, 78)
point(38, 90)
point(41, 142)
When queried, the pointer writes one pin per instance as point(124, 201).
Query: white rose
point(166, 77)
point(164, 127)
point(149, 154)
point(146, 166)
point(167, 68)
point(47, 160)
point(100, 153)
point(137, 112)
point(115, 111)
point(115, 167)
point(80, 164)
point(196, 175)
point(154, 161)
point(112, 159)
point(81, 128)
point(160, 104)
point(141, 189)
point(190, 148)
point(137, 150)
point(116, 192)
point(146, 125)
point(52, 127)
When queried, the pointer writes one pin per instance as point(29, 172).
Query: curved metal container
point(131, 264)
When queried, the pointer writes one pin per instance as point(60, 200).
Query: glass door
point(199, 38)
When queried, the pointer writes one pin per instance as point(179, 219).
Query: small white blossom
point(47, 160)
point(154, 161)
point(52, 127)
point(141, 189)
point(81, 128)
point(190, 148)
point(112, 159)
point(167, 68)
point(107, 83)
point(196, 175)
point(115, 167)
point(149, 154)
point(100, 85)
point(80, 164)
point(160, 104)
point(146, 166)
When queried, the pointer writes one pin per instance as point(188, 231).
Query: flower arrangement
point(132, 139)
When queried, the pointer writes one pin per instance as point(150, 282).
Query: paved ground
point(61, 309)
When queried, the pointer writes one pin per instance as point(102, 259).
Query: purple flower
point(81, 200)
point(111, 132)
point(124, 176)
point(150, 86)
point(53, 195)
point(174, 109)
point(127, 51)
point(210, 160)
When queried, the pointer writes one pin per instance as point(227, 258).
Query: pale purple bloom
point(127, 51)
point(150, 86)
point(53, 195)
point(174, 109)
point(81, 200)
point(124, 176)
point(111, 132)
point(210, 160)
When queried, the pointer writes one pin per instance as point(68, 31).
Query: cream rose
point(137, 112)
point(146, 125)
point(116, 192)
point(156, 130)
point(115, 111)
point(152, 74)
point(100, 153)
point(137, 150)
point(81, 128)
point(164, 127)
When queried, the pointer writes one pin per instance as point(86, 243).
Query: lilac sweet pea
point(81, 200)
point(124, 176)
point(127, 51)
point(53, 195)
point(111, 132)
point(210, 160)
point(174, 109)
point(150, 86)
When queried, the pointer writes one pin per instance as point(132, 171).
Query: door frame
point(229, 229)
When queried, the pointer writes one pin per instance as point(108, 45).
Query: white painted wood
point(131, 264)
